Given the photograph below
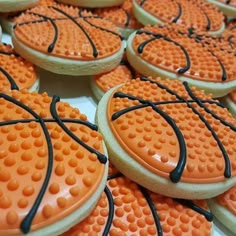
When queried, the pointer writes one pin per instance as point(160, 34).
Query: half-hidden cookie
point(52, 165)
point(12, 5)
point(168, 51)
point(8, 20)
point(16, 72)
point(100, 84)
point(169, 137)
point(230, 102)
point(224, 208)
point(228, 7)
point(93, 3)
point(69, 40)
point(122, 16)
point(200, 15)
point(126, 208)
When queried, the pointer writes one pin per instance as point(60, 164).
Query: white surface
point(76, 91)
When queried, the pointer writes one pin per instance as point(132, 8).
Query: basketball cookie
point(93, 3)
point(126, 208)
point(228, 7)
point(8, 20)
point(52, 165)
point(100, 84)
point(168, 51)
point(16, 72)
point(200, 15)
point(230, 102)
point(169, 138)
point(224, 208)
point(69, 41)
point(122, 16)
point(12, 5)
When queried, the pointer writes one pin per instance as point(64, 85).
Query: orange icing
point(228, 200)
point(133, 216)
point(147, 137)
point(22, 71)
point(71, 42)
point(76, 172)
point(198, 20)
point(170, 57)
point(121, 16)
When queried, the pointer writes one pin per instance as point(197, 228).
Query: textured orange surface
point(62, 36)
point(24, 155)
point(197, 14)
point(133, 216)
point(20, 70)
point(122, 16)
point(162, 48)
point(228, 200)
point(149, 138)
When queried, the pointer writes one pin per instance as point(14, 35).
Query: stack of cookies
point(161, 156)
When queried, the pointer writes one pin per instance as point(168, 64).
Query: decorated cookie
point(93, 3)
point(126, 208)
point(16, 72)
point(100, 84)
point(12, 5)
point(52, 165)
point(224, 208)
point(230, 102)
point(228, 7)
point(200, 15)
point(122, 16)
point(168, 51)
point(169, 137)
point(69, 40)
point(8, 20)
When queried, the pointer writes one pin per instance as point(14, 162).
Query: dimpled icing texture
point(206, 16)
point(169, 47)
point(133, 215)
point(230, 33)
point(119, 75)
point(24, 153)
point(16, 68)
point(80, 38)
point(228, 200)
point(149, 139)
point(121, 16)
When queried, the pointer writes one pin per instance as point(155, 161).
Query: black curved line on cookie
point(228, 1)
point(175, 174)
point(227, 172)
point(208, 215)
point(111, 211)
point(10, 79)
point(160, 36)
point(179, 13)
point(142, 2)
point(9, 53)
point(95, 52)
point(101, 157)
point(131, 69)
point(208, 26)
point(27, 221)
point(127, 17)
point(230, 41)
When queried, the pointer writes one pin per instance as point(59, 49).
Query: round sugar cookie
point(228, 7)
point(12, 5)
point(52, 165)
point(16, 72)
point(169, 137)
point(224, 208)
point(230, 102)
point(100, 84)
point(172, 52)
point(126, 208)
point(200, 15)
point(69, 41)
point(93, 3)
point(8, 20)
point(122, 16)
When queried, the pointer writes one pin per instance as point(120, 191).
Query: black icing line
point(230, 41)
point(131, 69)
point(10, 79)
point(9, 53)
point(179, 13)
point(111, 211)
point(142, 2)
point(27, 221)
point(227, 172)
point(160, 36)
point(127, 17)
point(101, 157)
